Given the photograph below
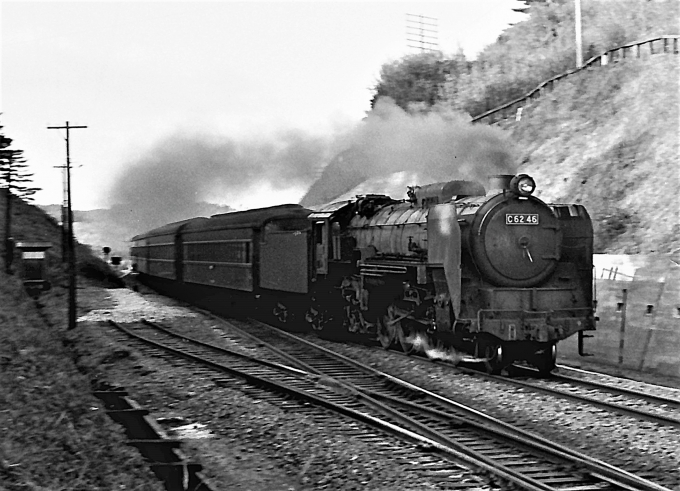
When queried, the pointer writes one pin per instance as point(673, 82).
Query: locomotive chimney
point(499, 183)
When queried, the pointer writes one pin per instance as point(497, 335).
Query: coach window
point(335, 246)
point(321, 246)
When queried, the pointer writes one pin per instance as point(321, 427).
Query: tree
point(413, 81)
point(527, 5)
point(15, 179)
point(14, 171)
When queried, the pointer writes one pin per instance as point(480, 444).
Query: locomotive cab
point(321, 233)
point(327, 236)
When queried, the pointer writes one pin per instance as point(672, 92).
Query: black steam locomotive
point(499, 275)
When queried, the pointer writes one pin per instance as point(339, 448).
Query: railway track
point(659, 409)
point(310, 394)
point(448, 429)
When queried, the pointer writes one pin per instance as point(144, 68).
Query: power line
point(67, 227)
point(423, 31)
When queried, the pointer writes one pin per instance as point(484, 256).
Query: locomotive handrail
point(611, 55)
point(216, 241)
point(218, 263)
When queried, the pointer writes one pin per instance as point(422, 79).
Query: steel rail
point(600, 469)
point(278, 386)
point(609, 406)
point(619, 390)
point(426, 434)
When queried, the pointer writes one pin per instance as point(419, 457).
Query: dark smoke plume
point(181, 176)
point(177, 177)
point(437, 146)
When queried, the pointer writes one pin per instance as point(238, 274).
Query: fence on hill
point(640, 49)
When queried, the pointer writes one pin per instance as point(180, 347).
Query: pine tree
point(15, 179)
point(14, 173)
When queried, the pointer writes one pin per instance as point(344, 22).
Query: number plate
point(521, 218)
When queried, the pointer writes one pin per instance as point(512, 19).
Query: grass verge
point(55, 434)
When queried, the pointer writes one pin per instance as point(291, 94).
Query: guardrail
point(657, 45)
point(165, 458)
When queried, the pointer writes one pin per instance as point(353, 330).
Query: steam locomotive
point(499, 275)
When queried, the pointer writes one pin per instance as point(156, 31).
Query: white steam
point(435, 146)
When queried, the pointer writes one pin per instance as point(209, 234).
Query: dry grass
point(608, 139)
point(55, 434)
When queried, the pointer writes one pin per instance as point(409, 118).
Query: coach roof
point(238, 219)
point(255, 218)
point(169, 229)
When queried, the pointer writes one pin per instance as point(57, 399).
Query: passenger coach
point(253, 253)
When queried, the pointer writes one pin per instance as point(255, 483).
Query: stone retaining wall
point(639, 309)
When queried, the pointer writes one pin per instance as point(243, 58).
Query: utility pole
point(579, 42)
point(417, 26)
point(9, 243)
point(71, 248)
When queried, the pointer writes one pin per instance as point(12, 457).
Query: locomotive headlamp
point(523, 185)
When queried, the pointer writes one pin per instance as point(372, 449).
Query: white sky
point(134, 72)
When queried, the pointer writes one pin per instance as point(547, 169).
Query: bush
point(544, 46)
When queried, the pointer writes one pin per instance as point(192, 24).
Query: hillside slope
point(608, 138)
point(55, 434)
point(31, 224)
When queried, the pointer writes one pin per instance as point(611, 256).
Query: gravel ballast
point(256, 445)
point(618, 440)
point(245, 442)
